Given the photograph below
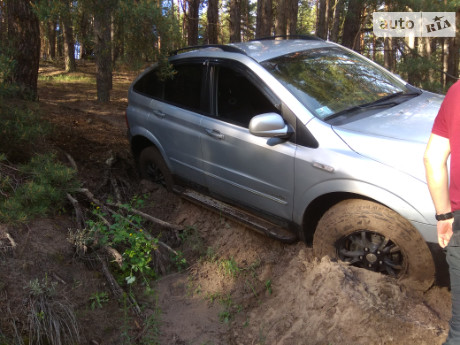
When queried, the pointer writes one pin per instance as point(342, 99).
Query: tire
point(153, 167)
point(369, 235)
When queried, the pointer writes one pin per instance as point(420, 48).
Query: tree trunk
point(351, 25)
point(3, 22)
point(103, 52)
point(245, 21)
point(280, 21)
point(85, 32)
point(388, 53)
point(192, 21)
point(24, 37)
point(235, 21)
point(213, 20)
point(264, 18)
point(292, 10)
point(322, 19)
point(69, 40)
point(51, 34)
point(338, 10)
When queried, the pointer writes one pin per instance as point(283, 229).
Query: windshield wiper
point(381, 102)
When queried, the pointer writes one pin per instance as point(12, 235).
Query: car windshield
point(332, 80)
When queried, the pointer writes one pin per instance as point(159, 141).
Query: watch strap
point(444, 216)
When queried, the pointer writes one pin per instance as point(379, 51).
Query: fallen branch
point(12, 242)
point(116, 189)
point(115, 254)
point(71, 161)
point(148, 217)
point(78, 211)
point(116, 289)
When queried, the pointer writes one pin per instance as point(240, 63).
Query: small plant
point(179, 261)
point(230, 309)
point(126, 232)
point(97, 300)
point(268, 286)
point(211, 254)
point(51, 321)
point(229, 267)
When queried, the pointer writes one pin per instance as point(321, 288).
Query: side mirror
point(269, 125)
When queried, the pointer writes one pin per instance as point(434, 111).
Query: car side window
point(238, 99)
point(182, 89)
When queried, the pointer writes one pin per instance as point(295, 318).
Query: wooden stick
point(149, 217)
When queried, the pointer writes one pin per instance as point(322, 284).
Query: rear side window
point(183, 89)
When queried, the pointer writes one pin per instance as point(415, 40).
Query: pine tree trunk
point(338, 10)
point(351, 25)
point(264, 18)
point(51, 34)
point(235, 21)
point(388, 53)
point(292, 10)
point(322, 19)
point(24, 37)
point(69, 40)
point(213, 19)
point(245, 21)
point(192, 21)
point(103, 53)
point(280, 22)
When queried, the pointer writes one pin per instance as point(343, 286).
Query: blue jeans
point(453, 259)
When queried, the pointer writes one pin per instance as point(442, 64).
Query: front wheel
point(153, 167)
point(371, 236)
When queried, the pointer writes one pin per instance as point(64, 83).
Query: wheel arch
point(328, 194)
point(140, 139)
point(318, 207)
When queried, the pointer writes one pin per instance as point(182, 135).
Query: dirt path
point(239, 287)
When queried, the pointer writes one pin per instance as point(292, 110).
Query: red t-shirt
point(447, 125)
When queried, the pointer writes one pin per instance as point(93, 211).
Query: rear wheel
point(371, 236)
point(153, 167)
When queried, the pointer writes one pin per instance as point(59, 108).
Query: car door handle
point(214, 133)
point(159, 114)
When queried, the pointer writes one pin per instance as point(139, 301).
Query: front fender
point(415, 204)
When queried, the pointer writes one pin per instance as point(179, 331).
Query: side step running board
point(256, 223)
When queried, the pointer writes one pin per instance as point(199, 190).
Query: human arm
point(436, 155)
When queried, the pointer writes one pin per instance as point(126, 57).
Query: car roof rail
point(223, 47)
point(289, 37)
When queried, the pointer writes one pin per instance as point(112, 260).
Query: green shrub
point(38, 189)
point(22, 132)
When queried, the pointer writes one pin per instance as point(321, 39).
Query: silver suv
point(298, 139)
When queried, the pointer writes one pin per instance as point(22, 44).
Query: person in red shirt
point(444, 142)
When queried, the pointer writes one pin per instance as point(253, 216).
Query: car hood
point(396, 136)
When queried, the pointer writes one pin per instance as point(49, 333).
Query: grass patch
point(68, 78)
point(37, 188)
point(32, 183)
point(51, 321)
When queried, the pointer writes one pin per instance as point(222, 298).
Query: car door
point(175, 117)
point(252, 171)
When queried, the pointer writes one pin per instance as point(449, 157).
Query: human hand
point(444, 232)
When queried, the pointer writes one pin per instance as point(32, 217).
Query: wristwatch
point(444, 216)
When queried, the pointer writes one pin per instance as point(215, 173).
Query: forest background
point(131, 33)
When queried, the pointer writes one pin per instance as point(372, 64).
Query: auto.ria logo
point(415, 24)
